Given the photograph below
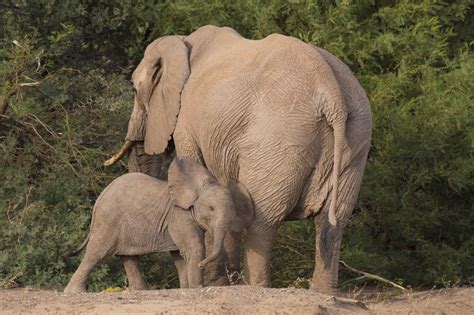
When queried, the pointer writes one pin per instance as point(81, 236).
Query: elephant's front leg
point(257, 255)
point(193, 256)
point(189, 239)
point(180, 265)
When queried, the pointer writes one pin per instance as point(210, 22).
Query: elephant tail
point(339, 139)
point(331, 104)
point(80, 248)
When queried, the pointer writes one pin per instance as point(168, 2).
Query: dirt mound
point(230, 300)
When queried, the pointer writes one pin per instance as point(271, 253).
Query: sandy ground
point(231, 300)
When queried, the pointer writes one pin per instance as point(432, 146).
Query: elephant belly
point(144, 229)
point(144, 242)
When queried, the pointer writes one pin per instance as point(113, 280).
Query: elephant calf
point(138, 214)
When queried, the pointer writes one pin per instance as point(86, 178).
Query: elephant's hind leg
point(134, 276)
point(328, 245)
point(328, 238)
point(78, 280)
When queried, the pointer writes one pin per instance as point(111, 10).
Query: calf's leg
point(78, 280)
point(134, 276)
point(180, 265)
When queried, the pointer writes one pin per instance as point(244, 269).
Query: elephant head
point(157, 83)
point(212, 204)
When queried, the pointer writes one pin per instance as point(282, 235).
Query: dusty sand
point(231, 300)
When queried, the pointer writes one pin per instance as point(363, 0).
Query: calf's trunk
point(217, 246)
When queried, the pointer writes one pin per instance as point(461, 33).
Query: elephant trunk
point(120, 153)
point(339, 136)
point(218, 245)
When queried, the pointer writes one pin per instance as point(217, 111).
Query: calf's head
point(212, 204)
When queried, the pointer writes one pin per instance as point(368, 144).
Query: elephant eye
point(211, 208)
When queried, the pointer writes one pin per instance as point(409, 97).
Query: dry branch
point(372, 276)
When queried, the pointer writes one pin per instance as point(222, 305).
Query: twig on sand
point(372, 276)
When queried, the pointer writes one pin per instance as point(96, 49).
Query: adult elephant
point(287, 120)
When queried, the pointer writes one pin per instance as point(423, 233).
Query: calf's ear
point(186, 177)
point(244, 206)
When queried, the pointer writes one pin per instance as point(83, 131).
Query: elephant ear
point(186, 177)
point(159, 80)
point(244, 206)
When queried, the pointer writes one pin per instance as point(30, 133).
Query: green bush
point(65, 68)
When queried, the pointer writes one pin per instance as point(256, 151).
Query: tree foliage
point(65, 67)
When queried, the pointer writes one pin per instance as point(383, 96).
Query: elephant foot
point(140, 287)
point(74, 289)
point(323, 287)
point(261, 284)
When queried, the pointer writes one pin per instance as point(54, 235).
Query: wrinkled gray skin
point(138, 214)
point(154, 165)
point(286, 119)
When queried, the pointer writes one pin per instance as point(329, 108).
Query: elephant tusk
point(120, 153)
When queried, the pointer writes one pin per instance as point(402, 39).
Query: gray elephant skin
point(284, 118)
point(138, 214)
